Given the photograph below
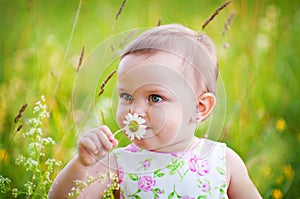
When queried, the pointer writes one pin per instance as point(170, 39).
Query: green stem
point(65, 55)
point(102, 116)
point(10, 139)
point(118, 131)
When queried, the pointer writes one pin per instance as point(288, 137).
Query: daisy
point(135, 127)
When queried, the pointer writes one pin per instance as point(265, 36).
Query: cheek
point(167, 117)
point(120, 115)
point(188, 103)
point(157, 118)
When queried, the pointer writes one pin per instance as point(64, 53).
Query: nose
point(138, 107)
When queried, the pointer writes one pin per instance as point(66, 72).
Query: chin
point(144, 144)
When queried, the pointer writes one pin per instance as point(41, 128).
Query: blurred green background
point(40, 47)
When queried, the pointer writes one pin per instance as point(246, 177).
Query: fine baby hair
point(196, 49)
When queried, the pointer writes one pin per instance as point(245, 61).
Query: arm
point(94, 143)
point(239, 182)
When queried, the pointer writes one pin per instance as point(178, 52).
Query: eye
point(155, 98)
point(126, 97)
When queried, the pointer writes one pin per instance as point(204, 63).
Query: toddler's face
point(152, 87)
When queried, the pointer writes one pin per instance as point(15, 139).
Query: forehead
point(135, 60)
point(162, 68)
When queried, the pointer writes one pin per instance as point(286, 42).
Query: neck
point(180, 146)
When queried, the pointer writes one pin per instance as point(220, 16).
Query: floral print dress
point(196, 173)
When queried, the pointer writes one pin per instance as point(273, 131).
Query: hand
point(94, 144)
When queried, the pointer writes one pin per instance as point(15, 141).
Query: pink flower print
point(120, 175)
point(193, 164)
point(201, 167)
point(205, 187)
point(204, 167)
point(187, 197)
point(157, 192)
point(132, 148)
point(145, 183)
point(146, 164)
point(174, 154)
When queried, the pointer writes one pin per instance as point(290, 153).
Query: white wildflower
point(4, 184)
point(36, 108)
point(35, 121)
point(30, 164)
point(14, 192)
point(20, 160)
point(33, 145)
point(29, 186)
point(47, 141)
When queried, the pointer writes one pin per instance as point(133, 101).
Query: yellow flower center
point(133, 126)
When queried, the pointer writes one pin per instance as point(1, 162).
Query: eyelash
point(128, 97)
point(157, 96)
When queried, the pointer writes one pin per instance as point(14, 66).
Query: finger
point(88, 144)
point(106, 131)
point(110, 135)
point(95, 136)
point(114, 142)
point(104, 140)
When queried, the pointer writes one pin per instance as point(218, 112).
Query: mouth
point(149, 133)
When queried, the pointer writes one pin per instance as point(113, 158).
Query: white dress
point(196, 173)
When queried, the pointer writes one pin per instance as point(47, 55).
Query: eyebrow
point(157, 89)
point(121, 88)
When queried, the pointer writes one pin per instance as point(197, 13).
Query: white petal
point(125, 122)
point(138, 137)
point(141, 121)
point(128, 117)
point(131, 137)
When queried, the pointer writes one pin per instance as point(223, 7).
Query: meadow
point(46, 102)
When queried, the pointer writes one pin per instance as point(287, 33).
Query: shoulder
point(234, 161)
point(208, 146)
point(238, 180)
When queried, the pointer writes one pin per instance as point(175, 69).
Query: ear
point(205, 105)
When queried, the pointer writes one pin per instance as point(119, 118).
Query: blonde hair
point(196, 49)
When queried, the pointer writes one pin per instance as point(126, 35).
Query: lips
point(149, 133)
